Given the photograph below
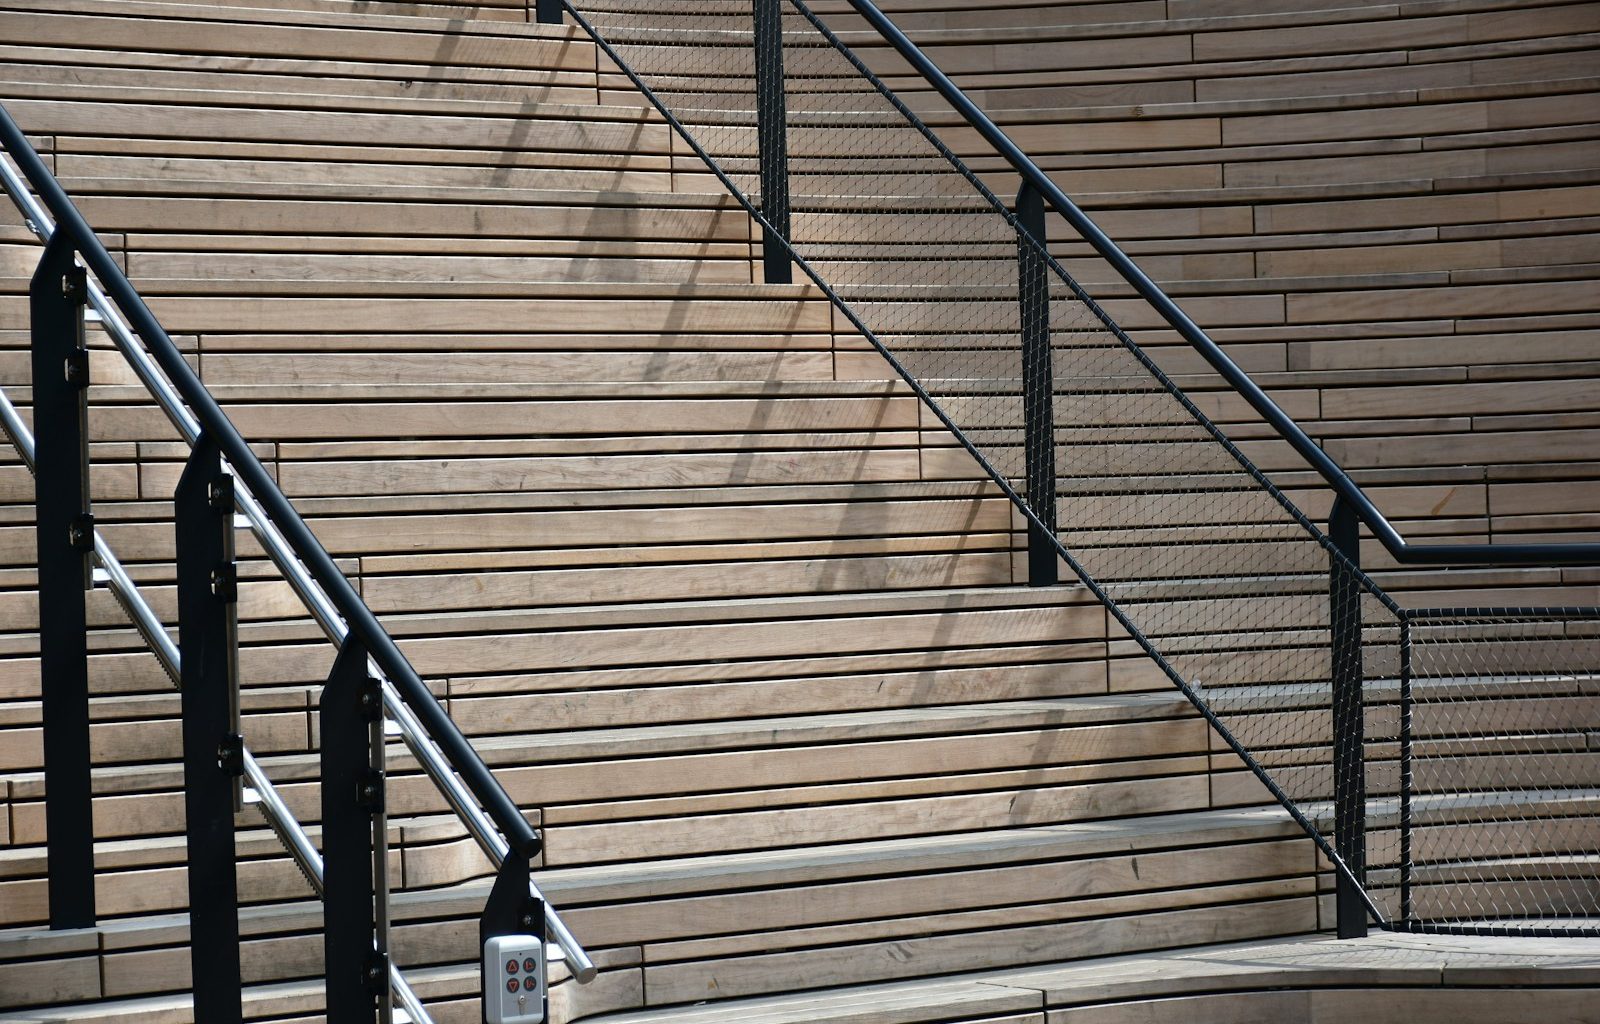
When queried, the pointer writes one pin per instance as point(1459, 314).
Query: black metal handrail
point(1285, 425)
point(362, 624)
point(718, 135)
point(1044, 542)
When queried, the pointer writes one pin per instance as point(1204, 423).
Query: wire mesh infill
point(1208, 566)
point(939, 371)
point(1498, 813)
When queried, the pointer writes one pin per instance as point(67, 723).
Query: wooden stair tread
point(196, 91)
point(338, 16)
point(682, 876)
point(664, 885)
point(1377, 962)
point(1288, 162)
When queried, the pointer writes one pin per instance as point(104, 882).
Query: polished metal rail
point(445, 755)
point(277, 814)
point(1178, 320)
point(121, 585)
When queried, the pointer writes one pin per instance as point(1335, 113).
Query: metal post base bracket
point(513, 919)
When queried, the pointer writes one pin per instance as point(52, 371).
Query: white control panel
point(514, 980)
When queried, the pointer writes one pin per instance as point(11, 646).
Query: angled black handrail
point(1184, 685)
point(1346, 488)
point(1348, 584)
point(362, 624)
point(444, 754)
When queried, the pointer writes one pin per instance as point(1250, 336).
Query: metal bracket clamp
point(225, 583)
point(75, 284)
point(370, 792)
point(230, 755)
point(375, 976)
point(371, 700)
point(75, 365)
point(75, 368)
point(80, 532)
point(220, 493)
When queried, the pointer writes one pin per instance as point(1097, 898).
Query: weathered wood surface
point(727, 610)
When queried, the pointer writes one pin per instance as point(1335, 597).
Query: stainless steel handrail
point(322, 608)
point(279, 818)
point(295, 840)
point(460, 754)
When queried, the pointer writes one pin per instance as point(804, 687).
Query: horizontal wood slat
point(729, 612)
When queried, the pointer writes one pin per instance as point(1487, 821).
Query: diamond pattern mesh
point(1208, 567)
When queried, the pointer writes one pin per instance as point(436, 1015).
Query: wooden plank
point(751, 974)
point(265, 216)
point(563, 586)
point(199, 266)
point(737, 915)
point(119, 27)
point(584, 844)
point(1438, 210)
point(329, 315)
point(510, 368)
point(237, 124)
point(70, 978)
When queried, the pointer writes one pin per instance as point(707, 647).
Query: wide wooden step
point(748, 922)
point(724, 605)
point(311, 34)
point(1296, 981)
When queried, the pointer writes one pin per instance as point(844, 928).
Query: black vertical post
point(65, 535)
point(511, 910)
point(1405, 770)
point(548, 12)
point(1349, 768)
point(772, 140)
point(212, 751)
point(355, 975)
point(1038, 386)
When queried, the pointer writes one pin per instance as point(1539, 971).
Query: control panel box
point(514, 980)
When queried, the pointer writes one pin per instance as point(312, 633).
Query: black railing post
point(772, 140)
point(1405, 771)
point(510, 910)
point(548, 12)
point(1349, 767)
point(1038, 386)
point(352, 795)
point(64, 530)
point(213, 751)
point(297, 536)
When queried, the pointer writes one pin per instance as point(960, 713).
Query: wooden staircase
point(733, 618)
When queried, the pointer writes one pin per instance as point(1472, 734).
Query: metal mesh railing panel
point(1502, 715)
point(1209, 569)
